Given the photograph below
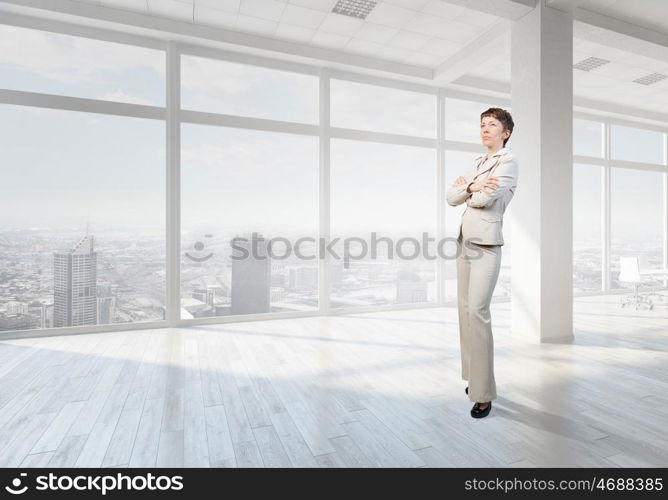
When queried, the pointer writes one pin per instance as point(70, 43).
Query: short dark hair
point(503, 116)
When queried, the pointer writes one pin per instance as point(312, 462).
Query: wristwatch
point(467, 187)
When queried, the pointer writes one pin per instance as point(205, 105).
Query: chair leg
point(637, 298)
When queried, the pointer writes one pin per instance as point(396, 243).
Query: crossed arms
point(506, 175)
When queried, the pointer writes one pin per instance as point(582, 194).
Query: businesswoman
point(486, 190)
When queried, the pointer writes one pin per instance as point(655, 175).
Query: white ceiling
point(612, 82)
point(651, 14)
point(427, 33)
point(419, 32)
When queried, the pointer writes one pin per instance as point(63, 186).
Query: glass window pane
point(83, 219)
point(588, 138)
point(635, 144)
point(236, 183)
point(462, 120)
point(637, 205)
point(230, 88)
point(51, 63)
point(382, 109)
point(389, 190)
point(587, 220)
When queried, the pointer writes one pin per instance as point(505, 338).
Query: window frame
point(173, 116)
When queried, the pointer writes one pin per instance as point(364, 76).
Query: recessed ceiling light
point(650, 79)
point(354, 8)
point(590, 63)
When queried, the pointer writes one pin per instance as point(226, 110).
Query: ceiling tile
point(375, 33)
point(390, 15)
point(476, 18)
point(496, 68)
point(340, 24)
point(408, 4)
point(271, 10)
point(620, 71)
point(660, 89)
point(584, 79)
point(459, 32)
point(226, 5)
point(661, 67)
point(639, 61)
point(301, 16)
point(439, 47)
point(651, 14)
point(427, 24)
point(322, 5)
point(442, 9)
point(579, 56)
point(408, 40)
point(603, 51)
point(214, 17)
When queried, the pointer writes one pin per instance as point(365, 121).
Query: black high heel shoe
point(476, 412)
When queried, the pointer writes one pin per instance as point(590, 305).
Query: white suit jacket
point(482, 221)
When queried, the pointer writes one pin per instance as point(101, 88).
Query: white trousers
point(477, 274)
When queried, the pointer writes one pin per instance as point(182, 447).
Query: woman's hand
point(459, 181)
point(487, 185)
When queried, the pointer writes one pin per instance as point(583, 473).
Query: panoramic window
point(83, 227)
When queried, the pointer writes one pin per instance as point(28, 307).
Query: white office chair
point(630, 273)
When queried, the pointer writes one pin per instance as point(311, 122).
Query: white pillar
point(542, 108)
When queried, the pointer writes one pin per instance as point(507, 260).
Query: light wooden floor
point(370, 390)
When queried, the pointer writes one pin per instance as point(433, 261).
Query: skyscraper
point(410, 288)
point(303, 279)
point(251, 277)
point(106, 304)
point(75, 280)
